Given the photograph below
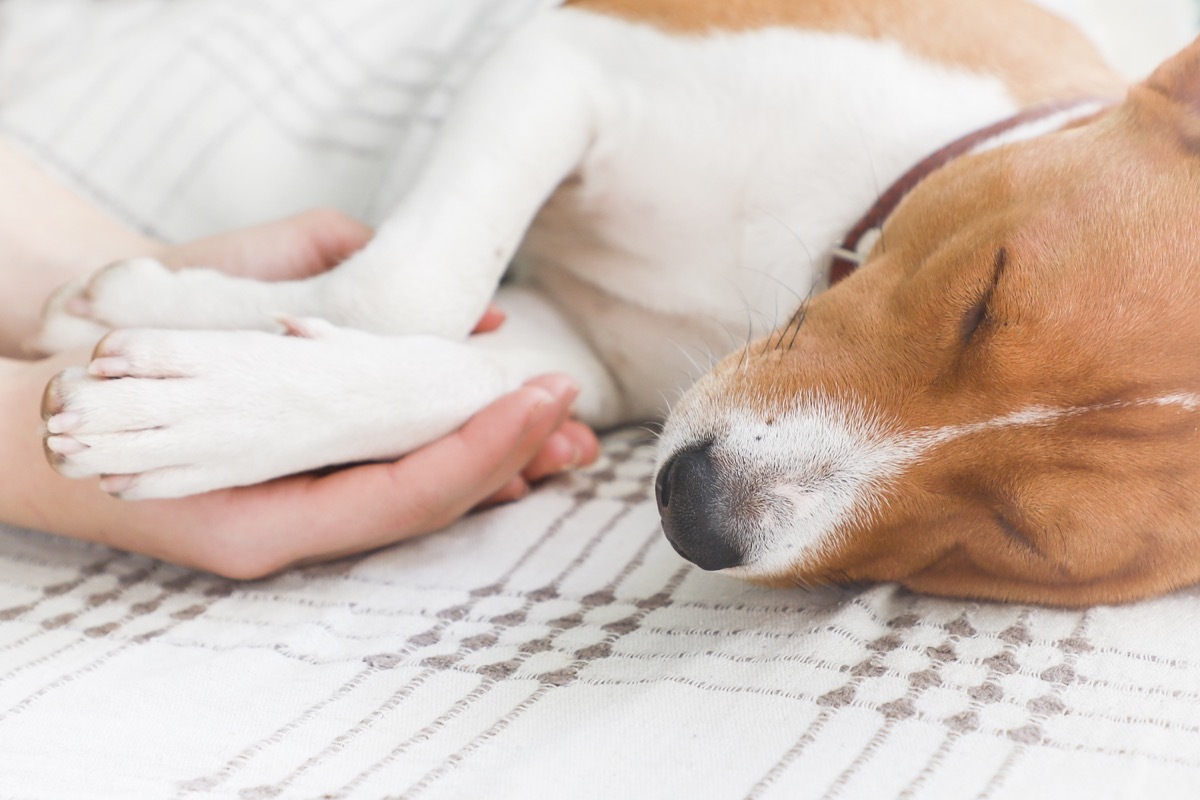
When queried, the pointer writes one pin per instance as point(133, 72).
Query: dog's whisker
point(802, 316)
point(733, 341)
point(798, 239)
point(684, 351)
point(745, 360)
point(666, 403)
point(656, 434)
point(795, 320)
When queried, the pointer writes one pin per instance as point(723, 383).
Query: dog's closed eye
point(974, 319)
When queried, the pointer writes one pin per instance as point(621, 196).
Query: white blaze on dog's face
point(1004, 402)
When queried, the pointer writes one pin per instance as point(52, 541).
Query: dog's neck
point(1027, 124)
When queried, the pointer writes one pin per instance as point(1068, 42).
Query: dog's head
point(1004, 401)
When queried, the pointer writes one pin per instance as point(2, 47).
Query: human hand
point(246, 532)
point(288, 249)
point(293, 248)
point(518, 440)
point(296, 247)
point(317, 240)
point(253, 531)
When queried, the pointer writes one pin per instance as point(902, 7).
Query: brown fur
point(1096, 306)
point(1043, 57)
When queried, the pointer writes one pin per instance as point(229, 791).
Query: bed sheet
point(552, 648)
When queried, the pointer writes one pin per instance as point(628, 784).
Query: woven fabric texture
point(556, 648)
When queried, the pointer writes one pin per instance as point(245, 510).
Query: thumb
point(286, 249)
point(333, 236)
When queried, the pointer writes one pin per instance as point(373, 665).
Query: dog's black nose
point(688, 493)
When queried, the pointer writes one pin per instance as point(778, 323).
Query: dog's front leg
point(519, 127)
point(172, 413)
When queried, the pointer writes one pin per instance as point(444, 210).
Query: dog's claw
point(117, 484)
point(110, 367)
point(65, 445)
point(66, 422)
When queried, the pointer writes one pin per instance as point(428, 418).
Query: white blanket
point(556, 648)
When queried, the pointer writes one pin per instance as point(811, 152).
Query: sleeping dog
point(1002, 400)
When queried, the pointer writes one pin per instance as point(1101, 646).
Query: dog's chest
point(725, 164)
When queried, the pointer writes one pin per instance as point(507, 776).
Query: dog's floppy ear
point(1177, 80)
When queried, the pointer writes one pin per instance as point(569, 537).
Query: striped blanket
point(556, 648)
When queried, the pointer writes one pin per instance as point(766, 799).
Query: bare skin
point(49, 236)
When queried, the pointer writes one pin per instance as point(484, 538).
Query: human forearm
point(35, 496)
point(48, 235)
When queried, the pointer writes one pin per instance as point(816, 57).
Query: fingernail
point(562, 388)
point(110, 367)
point(545, 407)
point(576, 456)
point(65, 445)
point(65, 422)
point(115, 484)
point(565, 445)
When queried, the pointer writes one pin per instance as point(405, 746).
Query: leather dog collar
point(1027, 124)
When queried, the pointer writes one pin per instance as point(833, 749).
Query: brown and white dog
point(1003, 402)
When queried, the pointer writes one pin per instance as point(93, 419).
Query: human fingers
point(258, 530)
point(572, 445)
point(333, 235)
point(433, 486)
point(486, 437)
point(516, 489)
point(492, 319)
point(295, 247)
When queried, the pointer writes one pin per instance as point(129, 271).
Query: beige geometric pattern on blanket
point(559, 648)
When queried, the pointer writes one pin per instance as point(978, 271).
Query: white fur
point(692, 182)
point(177, 411)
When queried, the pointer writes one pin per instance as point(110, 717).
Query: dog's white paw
point(62, 329)
point(142, 293)
point(171, 413)
point(162, 413)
